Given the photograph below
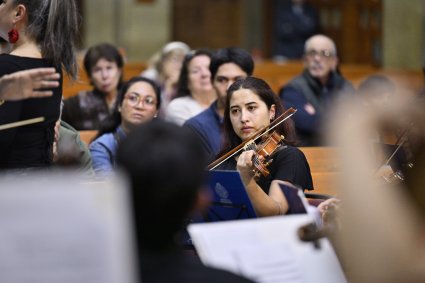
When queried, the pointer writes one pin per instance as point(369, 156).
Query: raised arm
point(28, 84)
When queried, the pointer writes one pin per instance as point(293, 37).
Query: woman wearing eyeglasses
point(137, 103)
point(314, 92)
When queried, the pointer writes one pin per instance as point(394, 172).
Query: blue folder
point(230, 200)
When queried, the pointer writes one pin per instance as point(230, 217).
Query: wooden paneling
point(208, 23)
point(354, 25)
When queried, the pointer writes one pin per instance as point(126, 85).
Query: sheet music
point(61, 231)
point(269, 263)
point(267, 250)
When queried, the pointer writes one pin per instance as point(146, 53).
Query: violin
point(264, 149)
point(385, 171)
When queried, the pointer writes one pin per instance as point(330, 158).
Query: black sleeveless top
point(28, 146)
point(289, 164)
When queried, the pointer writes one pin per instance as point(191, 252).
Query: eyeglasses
point(134, 100)
point(321, 53)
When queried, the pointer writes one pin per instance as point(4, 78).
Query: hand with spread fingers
point(28, 84)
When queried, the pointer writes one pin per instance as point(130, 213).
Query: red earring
point(13, 35)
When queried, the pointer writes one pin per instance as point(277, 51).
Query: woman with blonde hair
point(194, 89)
point(165, 67)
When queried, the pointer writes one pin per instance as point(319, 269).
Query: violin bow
point(21, 123)
point(286, 115)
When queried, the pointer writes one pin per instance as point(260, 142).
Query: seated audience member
point(314, 91)
point(87, 110)
point(227, 66)
point(28, 84)
point(250, 106)
point(164, 69)
point(70, 152)
point(137, 103)
point(194, 90)
point(165, 165)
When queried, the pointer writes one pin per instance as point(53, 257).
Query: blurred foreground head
point(382, 235)
point(376, 90)
point(165, 165)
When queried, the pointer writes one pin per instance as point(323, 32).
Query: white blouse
point(181, 109)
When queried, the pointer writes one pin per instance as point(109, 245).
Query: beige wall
point(404, 34)
point(252, 23)
point(141, 29)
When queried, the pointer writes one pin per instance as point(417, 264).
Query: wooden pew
point(322, 158)
point(277, 75)
point(325, 168)
point(87, 136)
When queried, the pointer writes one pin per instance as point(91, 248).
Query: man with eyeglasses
point(314, 91)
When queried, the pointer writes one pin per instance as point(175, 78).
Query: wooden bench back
point(87, 136)
point(276, 75)
point(325, 168)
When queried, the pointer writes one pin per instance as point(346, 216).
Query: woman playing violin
point(251, 105)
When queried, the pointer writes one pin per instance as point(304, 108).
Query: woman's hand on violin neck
point(245, 166)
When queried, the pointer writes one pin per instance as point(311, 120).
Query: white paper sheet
point(58, 230)
point(267, 250)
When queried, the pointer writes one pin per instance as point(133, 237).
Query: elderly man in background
point(314, 91)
